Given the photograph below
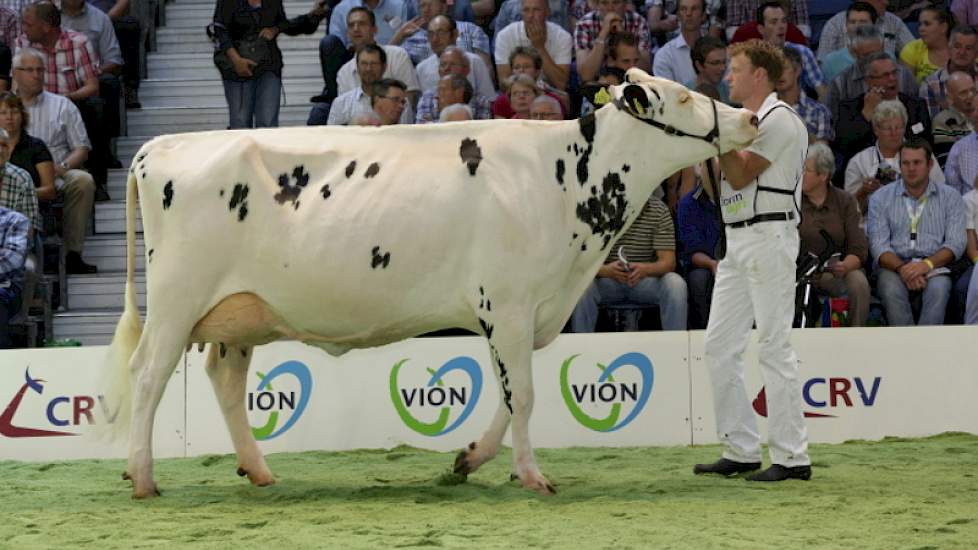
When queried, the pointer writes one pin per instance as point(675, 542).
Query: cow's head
point(685, 114)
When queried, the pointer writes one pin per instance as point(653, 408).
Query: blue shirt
point(941, 224)
point(14, 228)
point(835, 63)
point(388, 14)
point(961, 168)
point(699, 225)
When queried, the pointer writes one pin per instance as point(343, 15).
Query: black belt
point(760, 218)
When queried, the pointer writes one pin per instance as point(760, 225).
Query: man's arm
point(13, 247)
point(119, 9)
point(742, 167)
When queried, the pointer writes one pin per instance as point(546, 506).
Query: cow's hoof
point(258, 480)
point(141, 493)
point(462, 466)
point(538, 484)
point(126, 477)
point(470, 459)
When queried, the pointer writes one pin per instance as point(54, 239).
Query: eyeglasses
point(37, 70)
point(887, 74)
point(546, 116)
point(397, 99)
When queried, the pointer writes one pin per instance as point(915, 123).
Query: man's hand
point(911, 271)
point(871, 100)
point(638, 271)
point(870, 185)
point(319, 9)
point(243, 66)
point(838, 269)
point(537, 33)
point(409, 28)
point(611, 23)
point(614, 270)
point(269, 33)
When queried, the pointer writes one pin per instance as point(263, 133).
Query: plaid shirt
point(811, 73)
point(428, 111)
point(816, 117)
point(589, 26)
point(745, 11)
point(17, 193)
point(961, 169)
point(471, 38)
point(14, 228)
point(9, 26)
point(934, 90)
point(69, 65)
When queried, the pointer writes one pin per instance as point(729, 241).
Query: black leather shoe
point(322, 98)
point(74, 265)
point(101, 195)
point(726, 467)
point(778, 472)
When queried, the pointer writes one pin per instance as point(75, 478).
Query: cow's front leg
point(228, 372)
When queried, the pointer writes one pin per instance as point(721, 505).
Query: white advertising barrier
point(864, 383)
point(51, 405)
point(441, 394)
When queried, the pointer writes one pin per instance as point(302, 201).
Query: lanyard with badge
point(915, 213)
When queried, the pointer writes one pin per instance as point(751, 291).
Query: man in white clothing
point(673, 61)
point(553, 43)
point(398, 65)
point(755, 281)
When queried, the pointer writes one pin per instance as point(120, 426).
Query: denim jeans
point(970, 279)
point(332, 55)
point(896, 299)
point(700, 281)
point(668, 292)
point(254, 103)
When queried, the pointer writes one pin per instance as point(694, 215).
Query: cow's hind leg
point(479, 452)
point(228, 374)
point(152, 364)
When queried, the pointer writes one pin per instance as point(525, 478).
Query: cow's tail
point(127, 332)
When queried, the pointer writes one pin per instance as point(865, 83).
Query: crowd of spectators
point(888, 97)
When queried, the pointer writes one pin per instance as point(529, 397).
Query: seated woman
point(520, 92)
point(930, 52)
point(879, 165)
point(526, 60)
point(823, 206)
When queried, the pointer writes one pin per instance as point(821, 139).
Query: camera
point(886, 174)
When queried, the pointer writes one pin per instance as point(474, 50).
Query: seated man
point(742, 13)
point(826, 207)
point(593, 30)
point(335, 48)
point(772, 22)
point(526, 60)
point(915, 227)
point(388, 99)
point(859, 14)
point(512, 10)
point(673, 61)
point(453, 89)
point(709, 57)
point(129, 32)
point(455, 113)
point(956, 121)
point(851, 82)
point(14, 245)
point(895, 33)
point(552, 43)
point(413, 34)
point(648, 278)
point(814, 114)
point(853, 131)
point(545, 107)
point(371, 64)
point(961, 168)
point(963, 53)
point(699, 235)
point(442, 36)
point(58, 123)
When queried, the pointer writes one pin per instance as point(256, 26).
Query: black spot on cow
point(503, 377)
point(221, 193)
point(626, 168)
point(471, 154)
point(582, 167)
point(379, 259)
point(577, 150)
point(605, 210)
point(140, 157)
point(143, 175)
point(486, 327)
point(239, 200)
point(149, 255)
point(372, 170)
point(488, 305)
point(350, 168)
point(168, 195)
point(290, 192)
point(224, 350)
point(584, 246)
point(560, 171)
point(568, 148)
point(325, 192)
point(574, 236)
point(588, 127)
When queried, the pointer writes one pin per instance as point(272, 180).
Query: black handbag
point(254, 48)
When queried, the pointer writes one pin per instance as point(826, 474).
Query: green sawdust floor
point(897, 493)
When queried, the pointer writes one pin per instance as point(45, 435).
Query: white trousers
point(755, 282)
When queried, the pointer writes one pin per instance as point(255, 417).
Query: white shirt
point(399, 66)
point(867, 161)
point(782, 141)
point(478, 75)
point(673, 61)
point(559, 45)
point(971, 203)
point(356, 101)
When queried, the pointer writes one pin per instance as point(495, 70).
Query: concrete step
point(110, 217)
point(204, 11)
point(103, 291)
point(117, 183)
point(187, 42)
point(176, 120)
point(108, 253)
point(126, 147)
point(210, 92)
point(91, 327)
point(183, 66)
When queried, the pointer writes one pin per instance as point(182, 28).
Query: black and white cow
point(356, 237)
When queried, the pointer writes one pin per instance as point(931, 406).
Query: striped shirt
point(97, 26)
point(429, 112)
point(14, 228)
point(745, 11)
point(589, 27)
point(72, 61)
point(471, 38)
point(961, 168)
point(9, 26)
point(941, 225)
point(17, 193)
point(653, 230)
point(56, 121)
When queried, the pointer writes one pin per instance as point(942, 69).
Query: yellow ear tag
point(637, 107)
point(602, 97)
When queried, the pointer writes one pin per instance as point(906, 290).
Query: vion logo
point(287, 398)
point(608, 394)
point(821, 393)
point(456, 399)
point(60, 411)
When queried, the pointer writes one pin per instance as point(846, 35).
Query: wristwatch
point(64, 165)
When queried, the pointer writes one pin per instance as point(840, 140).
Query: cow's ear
point(637, 101)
